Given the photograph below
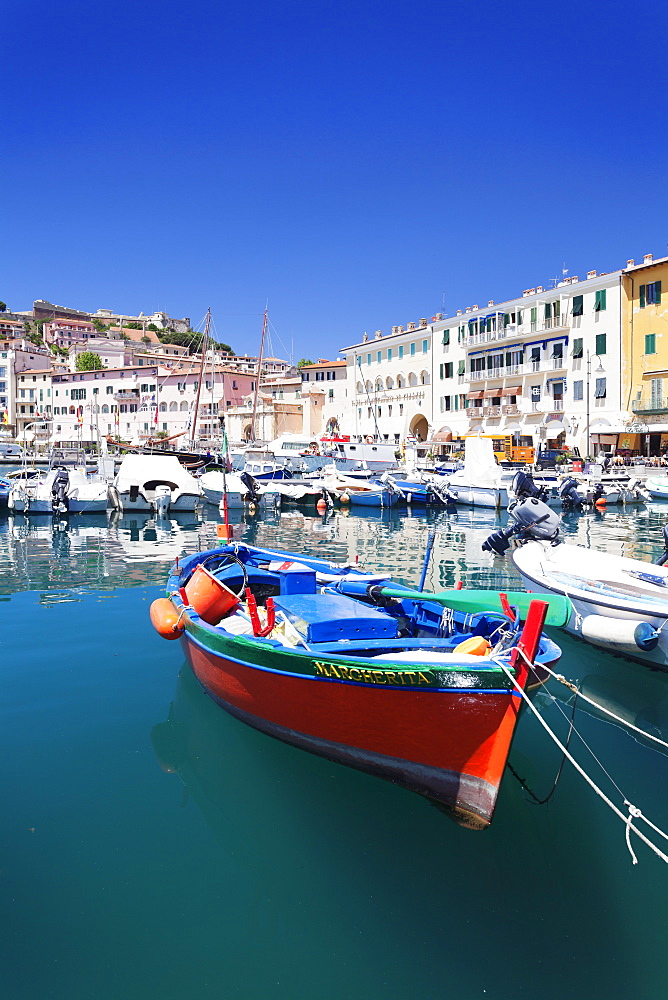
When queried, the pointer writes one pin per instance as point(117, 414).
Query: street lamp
point(600, 368)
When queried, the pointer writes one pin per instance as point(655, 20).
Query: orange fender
point(165, 619)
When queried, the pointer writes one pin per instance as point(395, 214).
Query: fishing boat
point(421, 689)
point(618, 603)
point(154, 482)
point(238, 488)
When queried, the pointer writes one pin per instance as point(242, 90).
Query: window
point(650, 343)
point(577, 347)
point(78, 394)
point(599, 392)
point(412, 350)
point(320, 376)
point(368, 359)
point(110, 390)
point(650, 295)
point(461, 367)
point(577, 305)
point(446, 338)
point(96, 390)
point(379, 356)
point(389, 354)
point(425, 346)
point(331, 394)
point(601, 344)
point(331, 376)
point(577, 390)
point(557, 351)
point(599, 304)
point(401, 409)
point(305, 375)
point(535, 393)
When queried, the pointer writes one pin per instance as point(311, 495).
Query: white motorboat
point(619, 604)
point(657, 487)
point(481, 482)
point(239, 488)
point(64, 488)
point(154, 482)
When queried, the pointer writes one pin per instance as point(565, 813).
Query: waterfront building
point(389, 382)
point(324, 391)
point(66, 333)
point(645, 366)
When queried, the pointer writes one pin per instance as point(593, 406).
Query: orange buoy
point(165, 619)
point(344, 498)
point(208, 596)
point(321, 506)
point(601, 502)
point(475, 645)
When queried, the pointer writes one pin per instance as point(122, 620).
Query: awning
point(491, 393)
point(512, 390)
point(445, 434)
point(478, 394)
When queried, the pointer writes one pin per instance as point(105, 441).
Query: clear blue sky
point(353, 164)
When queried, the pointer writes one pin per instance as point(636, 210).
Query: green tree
point(132, 326)
point(152, 327)
point(3, 307)
point(304, 361)
point(99, 325)
point(88, 361)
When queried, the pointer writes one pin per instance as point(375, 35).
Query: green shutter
point(650, 343)
point(577, 347)
point(506, 320)
point(456, 402)
point(461, 367)
point(599, 305)
point(657, 292)
point(601, 343)
point(577, 305)
point(441, 371)
point(548, 310)
point(534, 313)
point(519, 317)
point(642, 296)
point(556, 309)
point(446, 337)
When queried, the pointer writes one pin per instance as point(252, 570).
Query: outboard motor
point(59, 501)
point(444, 493)
point(523, 486)
point(163, 498)
point(570, 498)
point(251, 485)
point(531, 520)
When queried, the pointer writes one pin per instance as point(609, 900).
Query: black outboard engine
point(531, 520)
point(570, 498)
point(523, 487)
point(251, 485)
point(663, 559)
point(59, 502)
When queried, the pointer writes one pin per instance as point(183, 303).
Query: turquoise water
point(155, 847)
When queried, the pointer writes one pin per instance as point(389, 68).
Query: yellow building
point(645, 355)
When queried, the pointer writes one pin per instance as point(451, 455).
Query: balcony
point(650, 404)
point(510, 410)
point(512, 371)
point(554, 325)
point(491, 411)
point(127, 396)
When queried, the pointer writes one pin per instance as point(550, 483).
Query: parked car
point(550, 458)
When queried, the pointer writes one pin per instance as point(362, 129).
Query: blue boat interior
point(306, 593)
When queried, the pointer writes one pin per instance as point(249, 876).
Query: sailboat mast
point(257, 380)
point(205, 340)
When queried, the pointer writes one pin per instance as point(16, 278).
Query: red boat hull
point(449, 745)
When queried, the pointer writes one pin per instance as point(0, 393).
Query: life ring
point(369, 439)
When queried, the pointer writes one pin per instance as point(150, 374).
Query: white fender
point(619, 633)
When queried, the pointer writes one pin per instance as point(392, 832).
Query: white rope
point(601, 708)
point(634, 812)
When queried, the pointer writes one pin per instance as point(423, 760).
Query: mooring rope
point(633, 811)
point(601, 708)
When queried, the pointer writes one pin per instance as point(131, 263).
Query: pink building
point(68, 332)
